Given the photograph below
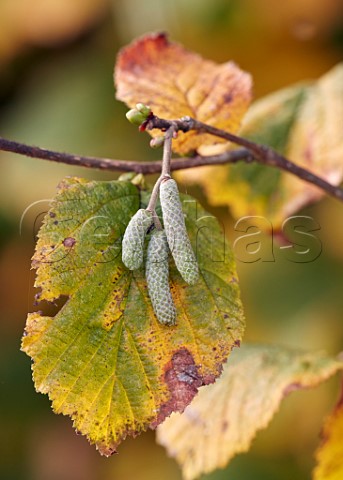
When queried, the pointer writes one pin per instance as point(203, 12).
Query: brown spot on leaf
point(228, 97)
point(69, 242)
point(225, 426)
point(183, 380)
point(37, 298)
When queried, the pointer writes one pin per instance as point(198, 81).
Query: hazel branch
point(113, 165)
point(249, 152)
point(260, 153)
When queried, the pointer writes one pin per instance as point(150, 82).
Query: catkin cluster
point(173, 238)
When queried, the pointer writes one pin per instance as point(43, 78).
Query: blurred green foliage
point(56, 90)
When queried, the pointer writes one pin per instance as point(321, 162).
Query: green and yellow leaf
point(176, 82)
point(103, 358)
point(223, 419)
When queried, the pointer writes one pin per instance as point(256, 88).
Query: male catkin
point(157, 276)
point(133, 241)
point(174, 224)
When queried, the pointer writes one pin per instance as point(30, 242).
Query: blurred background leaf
point(329, 456)
point(243, 401)
point(304, 123)
point(56, 90)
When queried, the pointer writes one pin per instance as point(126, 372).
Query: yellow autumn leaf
point(176, 82)
point(303, 122)
point(316, 140)
point(224, 418)
point(45, 22)
point(330, 454)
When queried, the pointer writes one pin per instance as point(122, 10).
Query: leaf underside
point(104, 359)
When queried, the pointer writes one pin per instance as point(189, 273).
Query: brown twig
point(261, 153)
point(250, 152)
point(121, 165)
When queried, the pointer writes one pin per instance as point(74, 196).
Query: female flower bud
point(144, 109)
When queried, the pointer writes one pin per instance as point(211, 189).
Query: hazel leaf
point(104, 359)
point(176, 82)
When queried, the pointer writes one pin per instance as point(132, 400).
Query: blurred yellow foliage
point(330, 454)
point(224, 418)
point(303, 122)
point(44, 22)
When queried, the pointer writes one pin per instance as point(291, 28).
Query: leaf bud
point(135, 117)
point(157, 142)
point(144, 109)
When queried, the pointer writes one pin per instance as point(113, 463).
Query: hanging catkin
point(174, 224)
point(157, 275)
point(133, 241)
